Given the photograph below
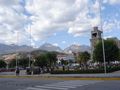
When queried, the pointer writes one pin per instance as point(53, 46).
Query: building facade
point(66, 57)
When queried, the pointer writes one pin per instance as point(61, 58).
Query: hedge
point(88, 71)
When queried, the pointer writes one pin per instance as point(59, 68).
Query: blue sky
point(59, 22)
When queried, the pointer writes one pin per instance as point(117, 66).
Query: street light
point(30, 46)
point(103, 45)
point(17, 40)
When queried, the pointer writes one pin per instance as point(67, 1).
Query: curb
point(60, 77)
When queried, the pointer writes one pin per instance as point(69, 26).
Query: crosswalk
point(65, 85)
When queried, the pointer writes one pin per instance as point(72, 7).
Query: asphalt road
point(29, 84)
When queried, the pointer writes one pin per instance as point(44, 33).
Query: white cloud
point(54, 34)
point(8, 2)
point(12, 19)
point(108, 37)
point(112, 2)
point(111, 25)
point(77, 17)
point(105, 1)
point(76, 43)
point(63, 42)
point(55, 44)
point(49, 16)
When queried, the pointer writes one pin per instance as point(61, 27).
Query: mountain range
point(77, 48)
point(50, 47)
point(6, 49)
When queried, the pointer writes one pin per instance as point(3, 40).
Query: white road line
point(50, 87)
point(61, 86)
point(65, 85)
point(74, 83)
point(33, 88)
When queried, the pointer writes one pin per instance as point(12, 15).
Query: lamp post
point(103, 45)
point(17, 40)
point(7, 65)
point(30, 51)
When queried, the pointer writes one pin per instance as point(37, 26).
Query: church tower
point(96, 36)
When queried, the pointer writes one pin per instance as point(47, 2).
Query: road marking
point(65, 85)
point(71, 84)
point(50, 87)
point(33, 88)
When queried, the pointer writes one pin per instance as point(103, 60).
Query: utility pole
point(30, 46)
point(17, 40)
point(103, 45)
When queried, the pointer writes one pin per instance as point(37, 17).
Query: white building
point(67, 57)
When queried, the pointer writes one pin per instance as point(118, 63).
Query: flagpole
point(103, 44)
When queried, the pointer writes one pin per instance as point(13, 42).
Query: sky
point(59, 22)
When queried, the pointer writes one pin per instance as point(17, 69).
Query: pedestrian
point(17, 71)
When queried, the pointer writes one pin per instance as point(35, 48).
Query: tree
point(2, 64)
point(119, 54)
point(111, 51)
point(83, 58)
point(41, 61)
point(12, 64)
point(64, 63)
point(52, 58)
point(23, 62)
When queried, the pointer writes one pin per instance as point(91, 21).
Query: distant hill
point(77, 48)
point(5, 49)
point(50, 47)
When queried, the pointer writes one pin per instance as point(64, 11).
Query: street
point(31, 84)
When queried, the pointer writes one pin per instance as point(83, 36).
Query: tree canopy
point(41, 61)
point(23, 62)
point(52, 58)
point(111, 51)
point(2, 64)
point(83, 57)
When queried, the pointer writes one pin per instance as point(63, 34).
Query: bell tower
point(96, 36)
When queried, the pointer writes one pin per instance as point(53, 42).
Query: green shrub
point(88, 71)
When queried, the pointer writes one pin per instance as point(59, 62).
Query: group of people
point(30, 71)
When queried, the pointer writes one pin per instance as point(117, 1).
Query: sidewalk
point(108, 75)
